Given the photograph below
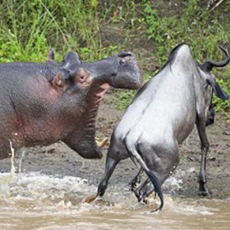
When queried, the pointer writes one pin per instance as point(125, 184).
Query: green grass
point(202, 30)
point(28, 29)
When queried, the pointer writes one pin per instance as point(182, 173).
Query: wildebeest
point(161, 116)
point(44, 103)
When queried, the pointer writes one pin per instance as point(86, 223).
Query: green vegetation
point(29, 28)
point(96, 28)
point(195, 25)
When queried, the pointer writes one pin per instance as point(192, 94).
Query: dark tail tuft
point(134, 153)
point(157, 188)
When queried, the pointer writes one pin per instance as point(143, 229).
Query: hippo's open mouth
point(103, 89)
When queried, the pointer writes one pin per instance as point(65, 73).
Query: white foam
point(39, 186)
point(38, 191)
point(172, 184)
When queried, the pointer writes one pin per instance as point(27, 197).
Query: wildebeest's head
point(211, 86)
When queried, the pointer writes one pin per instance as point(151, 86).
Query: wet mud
point(58, 159)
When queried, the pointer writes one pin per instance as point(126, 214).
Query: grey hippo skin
point(161, 116)
point(44, 103)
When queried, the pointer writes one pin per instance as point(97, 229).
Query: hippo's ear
point(50, 55)
point(58, 82)
point(71, 58)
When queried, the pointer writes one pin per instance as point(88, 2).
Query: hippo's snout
point(129, 74)
point(119, 71)
point(126, 56)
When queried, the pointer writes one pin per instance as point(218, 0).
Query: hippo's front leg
point(84, 144)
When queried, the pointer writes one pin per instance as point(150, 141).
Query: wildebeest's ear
point(71, 58)
point(58, 81)
point(219, 92)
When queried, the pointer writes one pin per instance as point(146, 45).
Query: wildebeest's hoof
point(204, 193)
point(89, 199)
point(203, 189)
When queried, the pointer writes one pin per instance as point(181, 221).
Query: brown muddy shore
point(58, 159)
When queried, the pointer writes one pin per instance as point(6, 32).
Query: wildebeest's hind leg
point(109, 168)
point(200, 123)
point(141, 191)
point(161, 160)
point(137, 152)
point(136, 179)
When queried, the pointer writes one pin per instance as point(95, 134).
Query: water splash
point(20, 161)
point(7, 179)
point(172, 185)
point(39, 201)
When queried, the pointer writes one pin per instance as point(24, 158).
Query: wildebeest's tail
point(133, 151)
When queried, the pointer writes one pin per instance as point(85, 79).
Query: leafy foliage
point(28, 28)
point(195, 25)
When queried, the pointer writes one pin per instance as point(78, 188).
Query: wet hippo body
point(41, 104)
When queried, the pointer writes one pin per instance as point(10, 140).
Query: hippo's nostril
point(124, 54)
point(122, 61)
point(125, 57)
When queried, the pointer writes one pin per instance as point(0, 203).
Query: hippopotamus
point(43, 103)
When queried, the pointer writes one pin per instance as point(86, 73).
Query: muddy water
point(34, 201)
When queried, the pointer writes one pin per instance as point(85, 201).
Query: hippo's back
point(19, 71)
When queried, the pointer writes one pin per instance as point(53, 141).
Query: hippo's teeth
point(102, 143)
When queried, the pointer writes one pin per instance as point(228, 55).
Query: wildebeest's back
point(162, 106)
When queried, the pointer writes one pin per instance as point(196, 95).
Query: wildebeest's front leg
point(200, 123)
point(109, 168)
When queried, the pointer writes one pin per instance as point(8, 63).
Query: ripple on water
point(42, 202)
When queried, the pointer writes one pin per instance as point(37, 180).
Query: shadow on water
point(39, 202)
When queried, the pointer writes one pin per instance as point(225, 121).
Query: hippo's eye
point(81, 76)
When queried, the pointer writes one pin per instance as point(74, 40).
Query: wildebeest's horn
point(208, 65)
